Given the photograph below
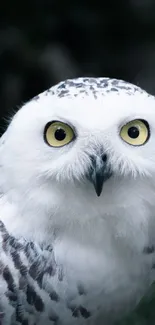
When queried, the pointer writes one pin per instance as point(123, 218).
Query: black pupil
point(133, 132)
point(60, 134)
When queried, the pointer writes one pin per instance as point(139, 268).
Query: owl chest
point(100, 279)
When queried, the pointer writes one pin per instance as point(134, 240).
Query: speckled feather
point(86, 86)
point(27, 271)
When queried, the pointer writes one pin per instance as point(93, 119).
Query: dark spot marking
point(5, 243)
point(54, 296)
point(105, 85)
point(63, 93)
point(22, 283)
point(30, 295)
point(84, 312)
point(2, 228)
point(50, 270)
point(33, 271)
point(62, 86)
point(1, 267)
point(9, 279)
point(11, 296)
point(75, 312)
point(31, 252)
point(70, 83)
point(14, 243)
point(39, 279)
point(104, 158)
point(114, 82)
point(82, 91)
point(149, 249)
point(81, 290)
point(48, 248)
point(34, 299)
point(36, 97)
point(19, 313)
point(95, 94)
point(18, 263)
point(123, 87)
point(78, 85)
point(38, 303)
point(60, 274)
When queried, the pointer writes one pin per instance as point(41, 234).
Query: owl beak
point(99, 172)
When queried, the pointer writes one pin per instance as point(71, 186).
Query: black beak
point(99, 172)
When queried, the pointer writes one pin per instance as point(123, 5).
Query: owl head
point(81, 130)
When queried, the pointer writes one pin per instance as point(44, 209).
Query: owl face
point(82, 130)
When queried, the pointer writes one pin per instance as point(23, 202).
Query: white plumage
point(79, 135)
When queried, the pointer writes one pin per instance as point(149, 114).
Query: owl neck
point(49, 213)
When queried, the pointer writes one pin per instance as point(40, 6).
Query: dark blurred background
point(45, 41)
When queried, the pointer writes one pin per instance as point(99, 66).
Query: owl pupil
point(60, 134)
point(133, 132)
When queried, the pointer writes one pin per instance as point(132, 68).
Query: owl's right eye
point(58, 134)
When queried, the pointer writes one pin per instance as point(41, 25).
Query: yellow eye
point(58, 134)
point(135, 132)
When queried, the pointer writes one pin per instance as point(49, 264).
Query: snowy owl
point(77, 204)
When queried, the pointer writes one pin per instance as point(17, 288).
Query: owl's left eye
point(58, 134)
point(135, 132)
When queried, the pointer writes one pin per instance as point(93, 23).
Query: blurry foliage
point(45, 41)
